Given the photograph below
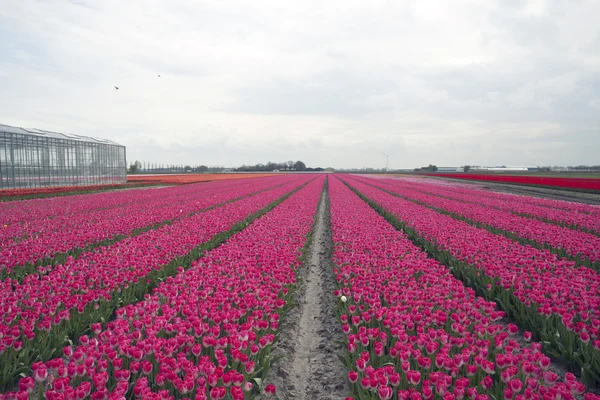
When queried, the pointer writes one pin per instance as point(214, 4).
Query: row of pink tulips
point(529, 200)
point(570, 214)
point(205, 333)
point(521, 205)
point(40, 312)
point(581, 246)
point(544, 293)
point(39, 209)
point(414, 331)
point(31, 240)
point(52, 207)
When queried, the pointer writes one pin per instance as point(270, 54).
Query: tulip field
point(591, 184)
point(107, 216)
point(442, 291)
point(582, 246)
point(551, 298)
point(188, 178)
point(415, 331)
point(51, 191)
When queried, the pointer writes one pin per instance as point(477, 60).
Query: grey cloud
point(335, 93)
point(330, 83)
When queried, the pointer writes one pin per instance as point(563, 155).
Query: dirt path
point(310, 368)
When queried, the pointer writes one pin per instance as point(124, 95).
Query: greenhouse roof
point(56, 135)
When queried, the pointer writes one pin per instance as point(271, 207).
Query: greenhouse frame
point(34, 158)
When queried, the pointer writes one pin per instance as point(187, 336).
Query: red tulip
point(270, 389)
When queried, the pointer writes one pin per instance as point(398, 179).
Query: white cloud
point(330, 83)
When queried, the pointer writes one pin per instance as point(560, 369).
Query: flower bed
point(179, 179)
point(559, 303)
point(27, 240)
point(580, 246)
point(413, 331)
point(39, 314)
point(33, 193)
point(205, 333)
point(573, 215)
point(570, 183)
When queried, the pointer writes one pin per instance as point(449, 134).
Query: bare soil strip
point(310, 335)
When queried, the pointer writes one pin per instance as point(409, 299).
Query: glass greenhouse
point(31, 158)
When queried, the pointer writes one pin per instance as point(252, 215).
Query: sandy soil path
point(308, 341)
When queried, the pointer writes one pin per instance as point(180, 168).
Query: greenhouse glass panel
point(31, 158)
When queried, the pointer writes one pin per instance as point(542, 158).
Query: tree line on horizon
point(144, 167)
point(279, 166)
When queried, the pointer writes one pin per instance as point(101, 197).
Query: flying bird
point(116, 87)
point(159, 76)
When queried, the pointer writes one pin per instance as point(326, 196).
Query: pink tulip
point(353, 376)
point(516, 385)
point(40, 373)
point(487, 382)
point(414, 377)
point(385, 392)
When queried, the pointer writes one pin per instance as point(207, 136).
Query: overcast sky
point(332, 83)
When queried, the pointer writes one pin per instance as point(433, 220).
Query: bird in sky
point(116, 87)
point(159, 76)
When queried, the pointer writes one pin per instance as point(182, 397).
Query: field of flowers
point(10, 194)
point(570, 241)
point(133, 181)
point(441, 291)
point(592, 184)
point(204, 332)
point(46, 231)
point(553, 297)
point(415, 331)
point(179, 179)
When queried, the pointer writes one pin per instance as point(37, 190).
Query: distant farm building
point(504, 168)
point(449, 169)
point(31, 158)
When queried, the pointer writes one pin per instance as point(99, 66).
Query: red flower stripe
point(573, 183)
